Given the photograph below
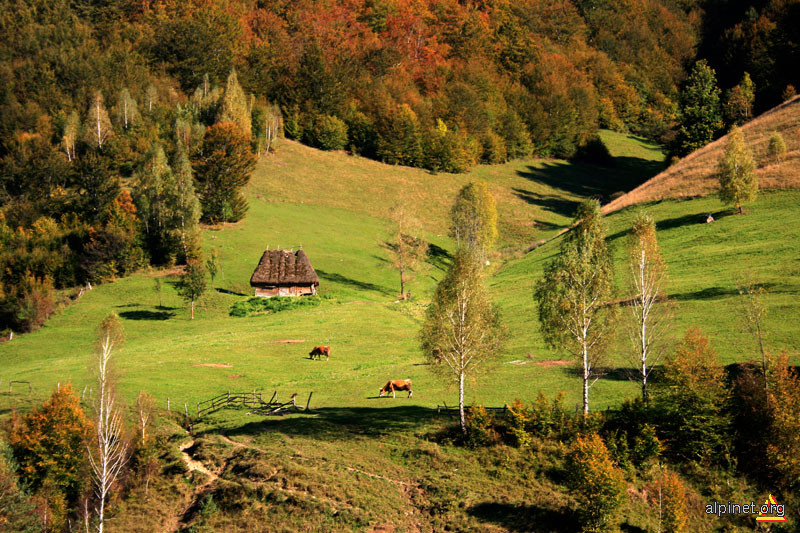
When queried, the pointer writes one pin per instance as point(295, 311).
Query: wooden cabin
point(284, 273)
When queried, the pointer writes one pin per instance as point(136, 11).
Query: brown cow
point(396, 385)
point(319, 351)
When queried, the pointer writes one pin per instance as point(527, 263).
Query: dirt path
point(193, 500)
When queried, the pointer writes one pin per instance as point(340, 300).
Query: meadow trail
point(193, 501)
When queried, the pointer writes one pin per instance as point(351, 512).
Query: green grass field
point(373, 337)
point(361, 463)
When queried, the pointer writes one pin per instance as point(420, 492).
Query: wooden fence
point(250, 400)
point(453, 411)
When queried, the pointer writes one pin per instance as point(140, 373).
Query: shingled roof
point(282, 267)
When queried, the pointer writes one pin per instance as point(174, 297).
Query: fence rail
point(453, 411)
point(250, 400)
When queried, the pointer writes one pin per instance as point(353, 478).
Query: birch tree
point(111, 454)
point(72, 129)
point(98, 125)
point(573, 294)
point(474, 218)
point(126, 111)
point(755, 312)
point(273, 125)
point(151, 96)
point(649, 312)
point(462, 329)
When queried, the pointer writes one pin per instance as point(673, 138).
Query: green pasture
point(374, 338)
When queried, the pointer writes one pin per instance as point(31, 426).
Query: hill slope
point(695, 175)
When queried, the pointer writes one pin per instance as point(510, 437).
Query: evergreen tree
point(738, 183)
point(235, 106)
point(462, 329)
point(699, 110)
point(98, 126)
point(573, 294)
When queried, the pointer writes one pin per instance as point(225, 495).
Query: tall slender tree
point(111, 454)
point(187, 205)
point(573, 295)
point(235, 106)
point(126, 111)
point(755, 312)
point(69, 139)
point(462, 329)
point(98, 126)
point(192, 284)
point(738, 182)
point(649, 311)
point(154, 194)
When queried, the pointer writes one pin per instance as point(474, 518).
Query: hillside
point(695, 175)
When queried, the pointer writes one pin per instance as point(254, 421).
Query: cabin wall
point(294, 290)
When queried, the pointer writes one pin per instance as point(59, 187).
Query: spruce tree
point(738, 183)
point(187, 206)
point(698, 110)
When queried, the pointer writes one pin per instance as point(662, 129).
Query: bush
point(480, 427)
point(673, 503)
point(328, 133)
point(259, 306)
point(776, 148)
point(598, 484)
point(494, 149)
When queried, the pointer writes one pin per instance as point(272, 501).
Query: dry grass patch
point(696, 174)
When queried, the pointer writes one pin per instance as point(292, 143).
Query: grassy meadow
point(356, 462)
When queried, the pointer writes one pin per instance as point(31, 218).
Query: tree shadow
point(706, 294)
point(340, 423)
point(146, 315)
point(227, 291)
point(439, 257)
point(588, 180)
point(604, 372)
point(678, 222)
point(363, 285)
point(548, 202)
point(520, 517)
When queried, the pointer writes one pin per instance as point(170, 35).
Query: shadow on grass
point(517, 517)
point(605, 372)
point(590, 180)
point(706, 294)
point(226, 291)
point(363, 285)
point(340, 423)
point(698, 219)
point(439, 257)
point(146, 315)
point(548, 202)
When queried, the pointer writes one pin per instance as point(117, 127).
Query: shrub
point(776, 148)
point(257, 306)
point(328, 133)
point(673, 503)
point(598, 484)
point(480, 427)
point(519, 417)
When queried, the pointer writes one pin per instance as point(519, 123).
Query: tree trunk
point(192, 309)
point(585, 380)
point(461, 403)
point(402, 286)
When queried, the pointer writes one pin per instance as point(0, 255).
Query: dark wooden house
point(284, 273)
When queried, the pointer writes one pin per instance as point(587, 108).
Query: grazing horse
point(319, 351)
point(396, 385)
